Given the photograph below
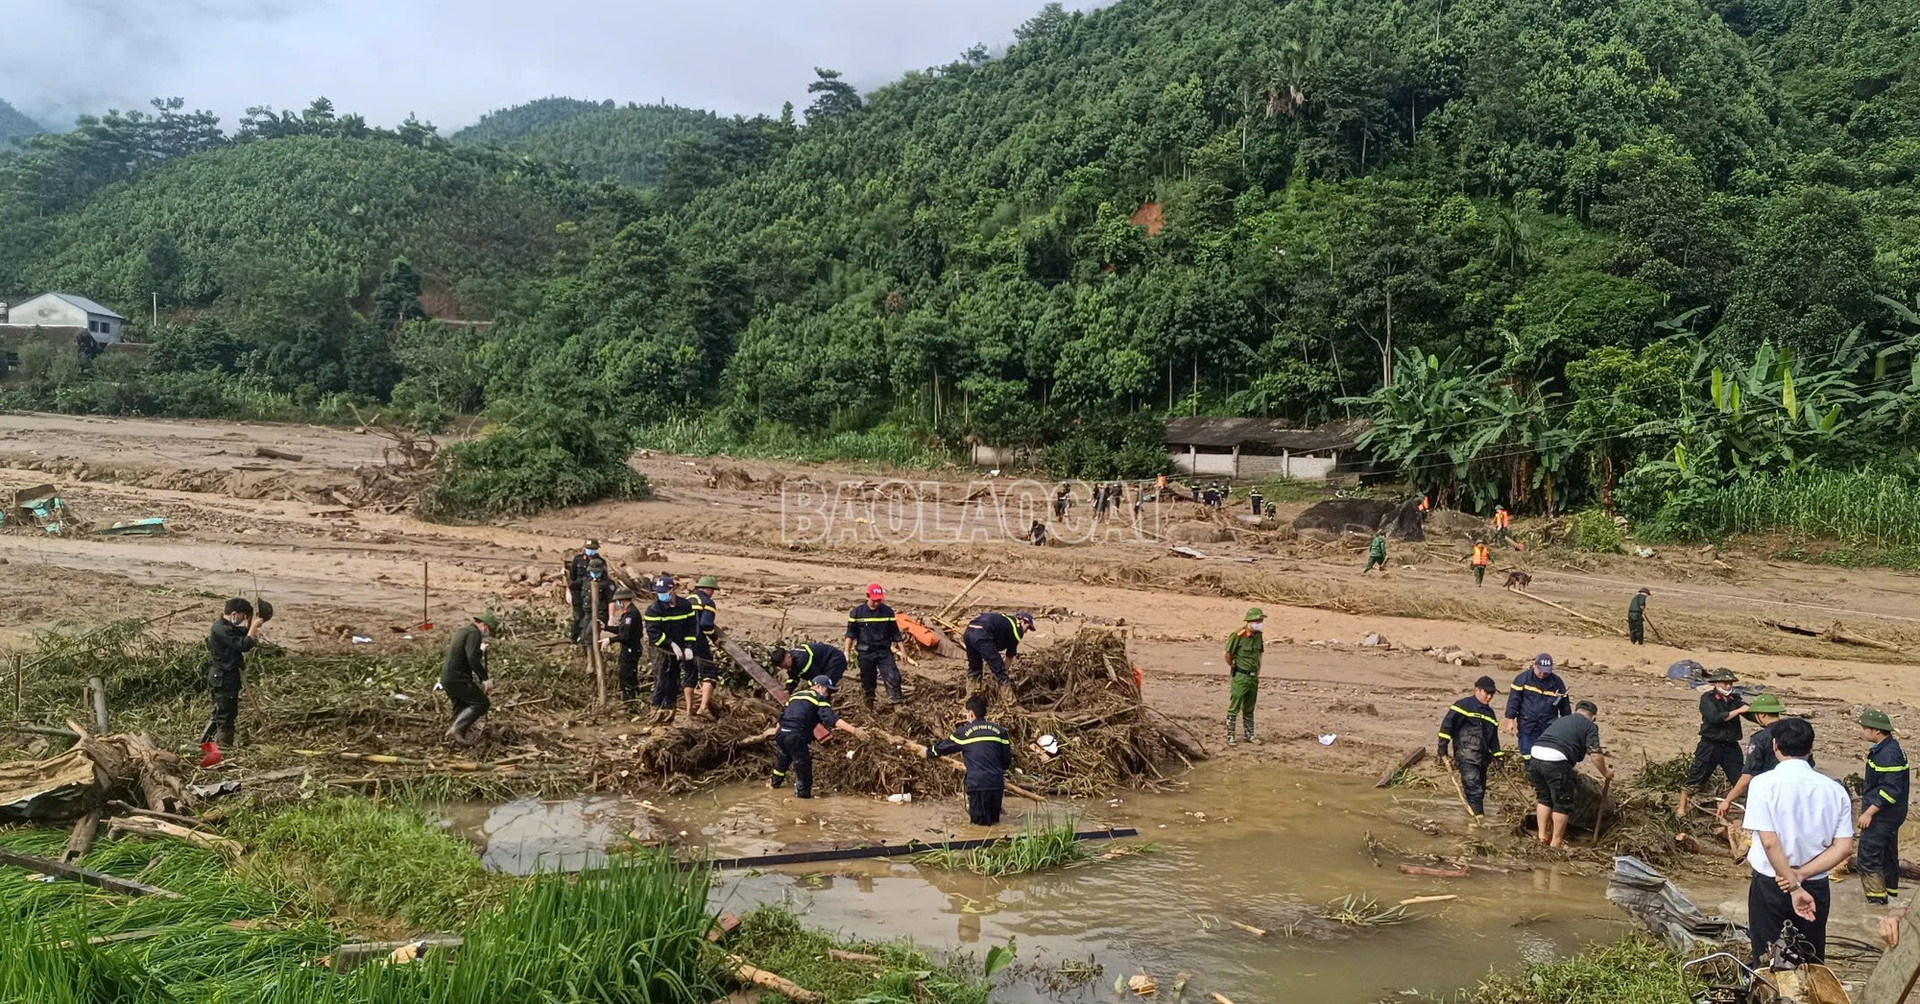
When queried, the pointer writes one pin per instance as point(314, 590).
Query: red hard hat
point(874, 592)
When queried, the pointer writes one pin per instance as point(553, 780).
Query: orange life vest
point(1480, 555)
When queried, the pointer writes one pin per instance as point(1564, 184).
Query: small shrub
point(1595, 531)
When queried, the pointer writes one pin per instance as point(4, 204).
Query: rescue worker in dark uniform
point(794, 738)
point(811, 659)
point(992, 639)
point(1537, 697)
point(632, 637)
point(233, 636)
point(1259, 504)
point(1883, 807)
point(873, 638)
point(705, 616)
point(1473, 732)
point(1637, 617)
point(673, 631)
point(1766, 710)
point(465, 679)
point(987, 752)
point(577, 590)
point(1719, 746)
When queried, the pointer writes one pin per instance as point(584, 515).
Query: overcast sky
point(451, 60)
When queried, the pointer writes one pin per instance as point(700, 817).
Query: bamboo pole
point(963, 593)
point(1417, 900)
point(1565, 610)
point(753, 975)
point(593, 643)
point(98, 684)
point(99, 880)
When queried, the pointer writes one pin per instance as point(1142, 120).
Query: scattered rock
point(1375, 640)
point(1497, 657)
point(1461, 657)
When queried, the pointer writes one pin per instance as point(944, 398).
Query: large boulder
point(1401, 520)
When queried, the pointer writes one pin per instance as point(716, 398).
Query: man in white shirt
point(1802, 824)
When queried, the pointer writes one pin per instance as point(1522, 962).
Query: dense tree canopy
point(1523, 234)
point(14, 124)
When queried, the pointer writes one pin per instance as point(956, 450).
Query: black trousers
point(983, 807)
point(700, 667)
point(629, 673)
point(1769, 911)
point(981, 651)
point(877, 668)
point(1712, 753)
point(1879, 858)
point(796, 754)
point(226, 711)
point(1636, 631)
point(667, 674)
point(469, 702)
point(1473, 784)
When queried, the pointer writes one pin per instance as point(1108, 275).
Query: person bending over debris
point(673, 632)
point(1564, 744)
point(1537, 698)
point(1767, 710)
point(1377, 553)
point(805, 709)
point(873, 637)
point(233, 636)
point(992, 640)
point(987, 752)
point(1474, 733)
point(1244, 648)
point(1802, 823)
point(811, 659)
point(465, 679)
point(707, 668)
point(1719, 746)
point(633, 641)
point(1883, 807)
point(1637, 617)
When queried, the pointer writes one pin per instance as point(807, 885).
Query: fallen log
point(963, 593)
point(81, 840)
point(1569, 611)
point(1414, 756)
point(1219, 999)
point(753, 975)
point(1831, 633)
point(350, 957)
point(126, 809)
point(99, 880)
point(139, 826)
point(272, 454)
point(1434, 872)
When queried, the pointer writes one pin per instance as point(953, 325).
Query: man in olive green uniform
point(1377, 553)
point(1243, 660)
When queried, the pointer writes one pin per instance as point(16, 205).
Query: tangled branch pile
point(1082, 692)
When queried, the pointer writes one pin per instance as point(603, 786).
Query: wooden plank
point(754, 669)
point(1414, 756)
point(99, 880)
point(963, 593)
point(753, 975)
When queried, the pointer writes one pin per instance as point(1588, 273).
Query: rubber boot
point(1230, 740)
point(1249, 721)
point(209, 754)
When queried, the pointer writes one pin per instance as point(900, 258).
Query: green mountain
point(14, 125)
point(627, 144)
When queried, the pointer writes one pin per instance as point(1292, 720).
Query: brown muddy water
point(1268, 847)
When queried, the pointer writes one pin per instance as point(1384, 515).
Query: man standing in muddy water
point(1538, 698)
point(1469, 727)
point(987, 752)
point(1244, 648)
point(1558, 750)
point(794, 738)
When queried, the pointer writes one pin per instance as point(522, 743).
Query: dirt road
point(791, 574)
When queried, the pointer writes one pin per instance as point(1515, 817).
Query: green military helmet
point(1766, 704)
point(490, 619)
point(1721, 675)
point(1255, 614)
point(707, 582)
point(1874, 718)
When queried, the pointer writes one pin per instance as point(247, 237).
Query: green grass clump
point(1039, 848)
point(774, 940)
point(1631, 969)
point(1595, 531)
point(371, 858)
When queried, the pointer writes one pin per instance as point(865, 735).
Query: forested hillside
point(629, 144)
point(1542, 242)
point(14, 125)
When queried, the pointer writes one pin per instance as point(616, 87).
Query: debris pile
point(98, 769)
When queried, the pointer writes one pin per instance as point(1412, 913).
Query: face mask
point(591, 552)
point(664, 597)
point(1257, 626)
point(593, 575)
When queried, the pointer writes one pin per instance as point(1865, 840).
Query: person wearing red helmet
point(873, 639)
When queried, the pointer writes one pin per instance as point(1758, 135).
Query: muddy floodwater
point(1267, 848)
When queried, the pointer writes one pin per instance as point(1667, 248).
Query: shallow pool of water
point(1267, 847)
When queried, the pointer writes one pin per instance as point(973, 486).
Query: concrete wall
point(1220, 463)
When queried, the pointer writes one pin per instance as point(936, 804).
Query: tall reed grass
point(1040, 847)
point(1866, 506)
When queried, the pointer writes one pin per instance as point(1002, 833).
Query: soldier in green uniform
point(1637, 617)
point(1377, 553)
point(1243, 661)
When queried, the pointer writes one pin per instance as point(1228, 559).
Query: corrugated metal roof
point(1264, 432)
point(87, 305)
